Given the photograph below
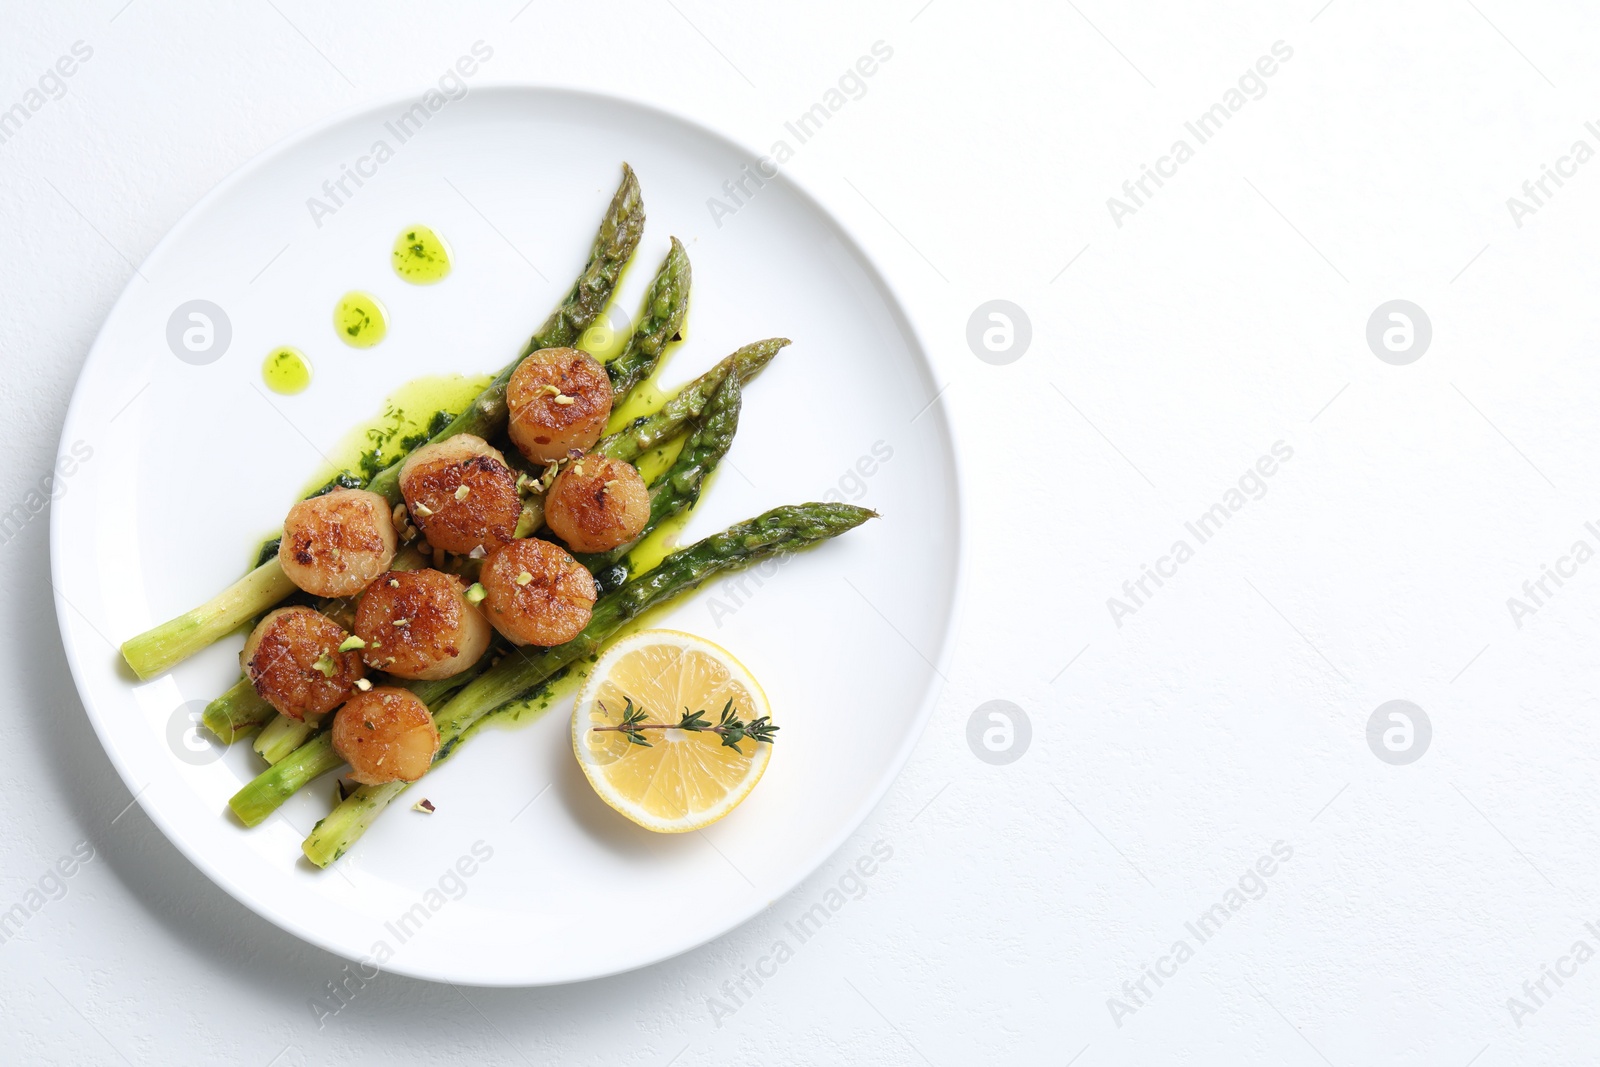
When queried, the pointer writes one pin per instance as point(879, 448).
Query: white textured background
point(1227, 714)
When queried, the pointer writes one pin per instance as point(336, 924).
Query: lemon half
point(685, 779)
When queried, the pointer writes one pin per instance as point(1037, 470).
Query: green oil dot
point(360, 320)
point(420, 256)
point(286, 370)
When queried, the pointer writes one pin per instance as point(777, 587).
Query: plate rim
point(893, 767)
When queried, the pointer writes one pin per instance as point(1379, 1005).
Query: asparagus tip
point(759, 355)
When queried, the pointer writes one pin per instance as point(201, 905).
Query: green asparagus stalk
point(431, 691)
point(619, 235)
point(267, 791)
point(176, 640)
point(345, 824)
point(679, 488)
point(236, 712)
point(282, 736)
point(159, 649)
point(660, 323)
point(648, 431)
point(779, 531)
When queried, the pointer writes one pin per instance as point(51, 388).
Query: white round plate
point(189, 465)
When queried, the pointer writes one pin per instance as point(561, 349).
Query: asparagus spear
point(648, 431)
point(679, 488)
point(282, 736)
point(619, 235)
point(158, 649)
point(267, 791)
point(660, 322)
point(176, 640)
point(779, 531)
point(236, 712)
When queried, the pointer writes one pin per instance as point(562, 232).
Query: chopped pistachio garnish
point(524, 578)
point(394, 583)
point(425, 806)
point(463, 491)
point(549, 390)
point(363, 685)
point(609, 483)
point(563, 399)
point(402, 622)
point(475, 593)
point(422, 509)
point(350, 643)
point(325, 665)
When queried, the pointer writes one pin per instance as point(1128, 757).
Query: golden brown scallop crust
point(334, 544)
point(386, 735)
point(597, 504)
point(292, 657)
point(418, 624)
point(485, 515)
point(559, 400)
point(552, 605)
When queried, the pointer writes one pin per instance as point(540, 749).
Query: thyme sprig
point(729, 726)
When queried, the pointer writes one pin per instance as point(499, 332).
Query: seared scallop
point(419, 624)
point(597, 504)
point(461, 494)
point(292, 657)
point(386, 735)
point(537, 594)
point(334, 544)
point(559, 399)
